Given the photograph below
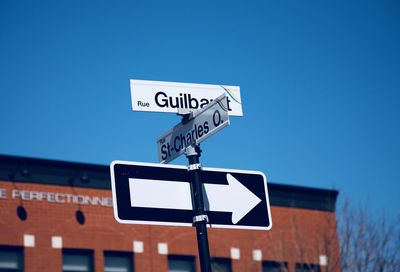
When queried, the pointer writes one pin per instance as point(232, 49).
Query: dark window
point(304, 267)
point(272, 266)
point(221, 265)
point(76, 260)
point(118, 261)
point(11, 259)
point(179, 263)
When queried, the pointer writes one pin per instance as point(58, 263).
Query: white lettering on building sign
point(3, 193)
point(56, 197)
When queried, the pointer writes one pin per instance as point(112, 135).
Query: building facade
point(58, 216)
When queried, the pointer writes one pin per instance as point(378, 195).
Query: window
point(221, 265)
point(77, 260)
point(303, 267)
point(178, 263)
point(11, 259)
point(118, 261)
point(271, 266)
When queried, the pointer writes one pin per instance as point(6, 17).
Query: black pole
point(200, 219)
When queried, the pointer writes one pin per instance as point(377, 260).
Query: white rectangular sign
point(159, 96)
point(203, 123)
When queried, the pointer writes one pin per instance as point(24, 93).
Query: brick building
point(58, 216)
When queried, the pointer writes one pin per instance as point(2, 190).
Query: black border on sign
point(255, 181)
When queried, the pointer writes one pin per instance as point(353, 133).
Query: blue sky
point(320, 85)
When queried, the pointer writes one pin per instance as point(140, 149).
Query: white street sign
point(159, 194)
point(203, 123)
point(160, 96)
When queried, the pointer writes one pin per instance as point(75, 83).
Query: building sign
point(160, 96)
point(56, 197)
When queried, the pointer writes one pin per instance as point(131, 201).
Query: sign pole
point(200, 219)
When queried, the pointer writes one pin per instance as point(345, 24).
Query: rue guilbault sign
point(161, 96)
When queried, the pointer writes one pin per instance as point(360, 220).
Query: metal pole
point(200, 219)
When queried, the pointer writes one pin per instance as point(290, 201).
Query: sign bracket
point(186, 115)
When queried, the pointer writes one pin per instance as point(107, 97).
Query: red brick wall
point(297, 235)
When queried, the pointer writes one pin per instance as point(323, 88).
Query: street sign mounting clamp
point(200, 218)
point(196, 166)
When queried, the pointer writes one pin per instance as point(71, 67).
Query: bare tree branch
point(368, 242)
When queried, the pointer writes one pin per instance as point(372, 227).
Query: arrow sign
point(221, 198)
point(159, 194)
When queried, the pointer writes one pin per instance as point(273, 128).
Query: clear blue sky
point(320, 85)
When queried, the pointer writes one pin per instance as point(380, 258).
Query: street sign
point(159, 194)
point(160, 96)
point(202, 124)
